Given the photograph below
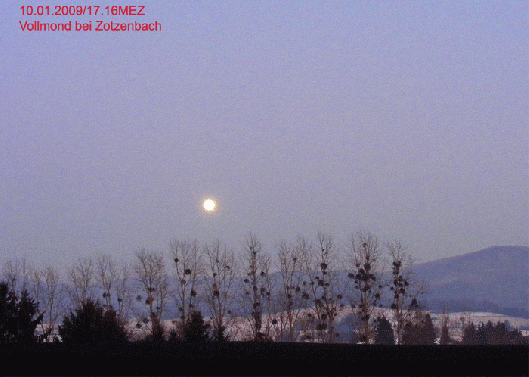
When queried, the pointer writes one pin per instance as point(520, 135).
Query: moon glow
point(209, 205)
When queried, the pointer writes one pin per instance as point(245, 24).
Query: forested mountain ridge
point(492, 279)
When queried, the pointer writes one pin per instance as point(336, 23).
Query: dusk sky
point(407, 119)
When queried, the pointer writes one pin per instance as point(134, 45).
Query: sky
point(406, 119)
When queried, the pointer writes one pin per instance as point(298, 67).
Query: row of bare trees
point(300, 300)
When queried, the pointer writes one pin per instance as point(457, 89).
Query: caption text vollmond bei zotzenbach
point(90, 25)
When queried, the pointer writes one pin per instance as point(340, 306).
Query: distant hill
point(495, 279)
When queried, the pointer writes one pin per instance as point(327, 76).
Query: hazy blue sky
point(408, 119)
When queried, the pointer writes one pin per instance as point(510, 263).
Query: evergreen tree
point(469, 335)
point(481, 334)
point(490, 334)
point(422, 332)
point(92, 325)
point(219, 334)
point(157, 330)
point(445, 337)
point(428, 331)
point(18, 316)
point(499, 334)
point(409, 334)
point(515, 337)
point(384, 332)
point(195, 329)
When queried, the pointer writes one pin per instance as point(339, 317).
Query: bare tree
point(329, 301)
point(321, 286)
point(365, 254)
point(17, 271)
point(309, 288)
point(149, 268)
point(220, 277)
point(107, 276)
point(82, 280)
point(123, 293)
point(290, 267)
point(319, 264)
point(50, 301)
point(256, 285)
point(114, 282)
point(188, 267)
point(404, 300)
point(36, 285)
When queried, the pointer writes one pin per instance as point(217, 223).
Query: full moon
point(209, 205)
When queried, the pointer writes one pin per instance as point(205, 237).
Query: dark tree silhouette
point(428, 330)
point(157, 334)
point(489, 334)
point(499, 334)
point(515, 337)
point(483, 332)
point(92, 325)
point(469, 335)
point(384, 332)
point(195, 329)
point(18, 316)
point(422, 332)
point(445, 337)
